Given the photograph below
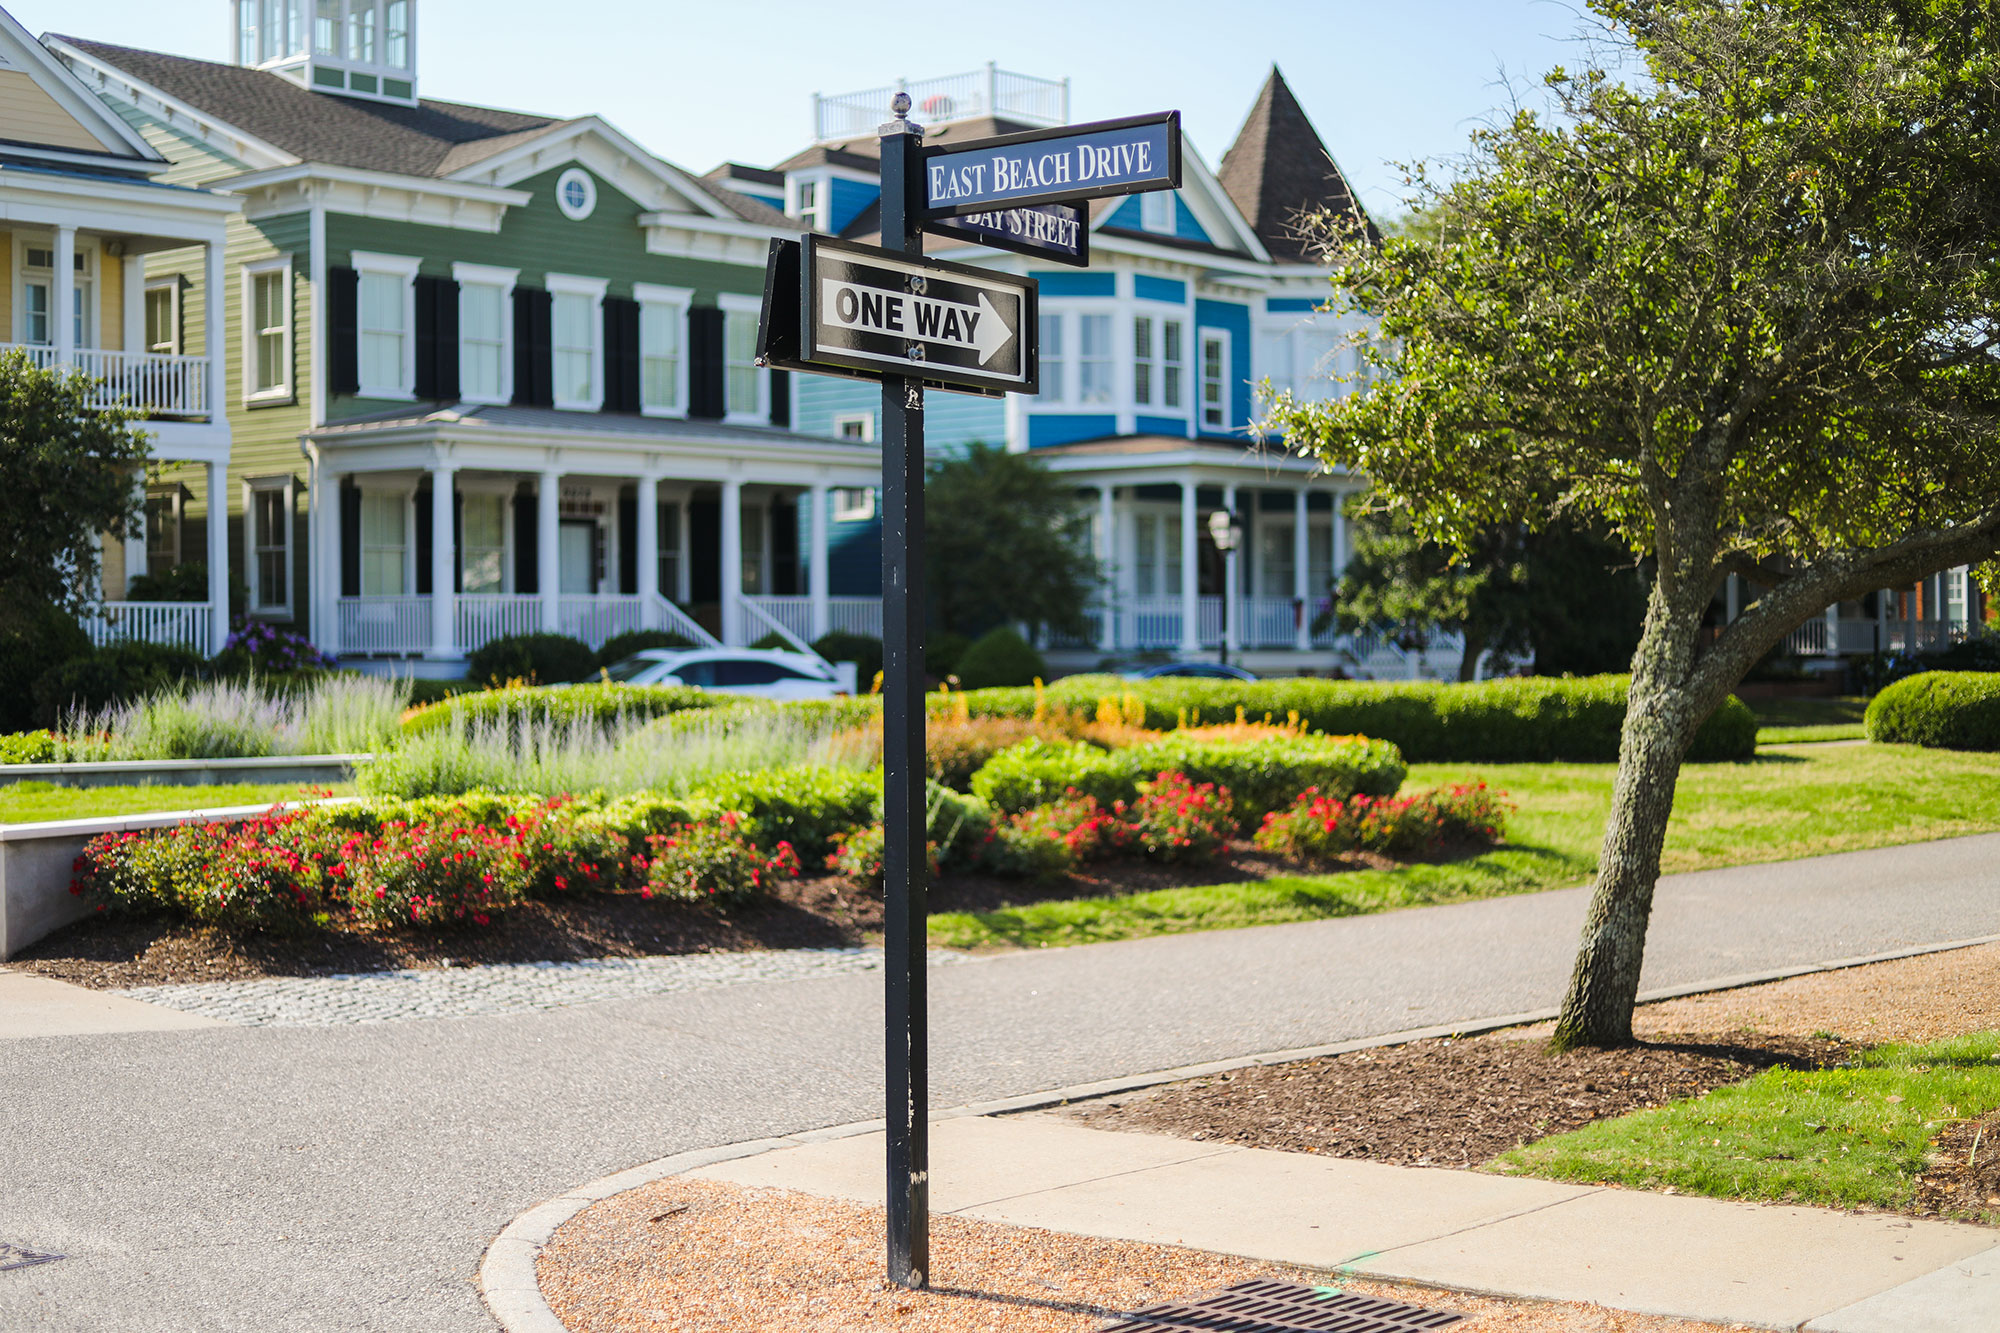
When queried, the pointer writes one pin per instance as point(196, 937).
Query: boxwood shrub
point(539, 659)
point(599, 702)
point(1946, 710)
point(1524, 720)
point(805, 805)
point(1262, 775)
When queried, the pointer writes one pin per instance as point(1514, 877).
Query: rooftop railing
point(991, 91)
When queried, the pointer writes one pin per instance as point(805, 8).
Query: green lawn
point(1787, 803)
point(1841, 1138)
point(1790, 721)
point(34, 802)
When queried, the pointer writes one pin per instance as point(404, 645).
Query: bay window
point(1156, 362)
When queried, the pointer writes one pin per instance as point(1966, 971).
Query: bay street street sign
point(866, 309)
point(1057, 232)
point(1061, 165)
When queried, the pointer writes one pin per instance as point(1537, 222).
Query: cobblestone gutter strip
point(500, 988)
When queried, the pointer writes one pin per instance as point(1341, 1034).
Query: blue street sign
point(1061, 165)
point(1058, 232)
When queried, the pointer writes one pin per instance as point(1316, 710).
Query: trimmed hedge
point(621, 646)
point(539, 659)
point(1531, 719)
point(999, 657)
point(1261, 776)
point(1946, 710)
point(600, 703)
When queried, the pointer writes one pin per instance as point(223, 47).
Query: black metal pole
point(904, 812)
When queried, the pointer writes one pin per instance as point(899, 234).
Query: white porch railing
point(176, 624)
point(761, 619)
point(677, 621)
point(855, 615)
point(794, 614)
point(172, 386)
point(484, 617)
point(597, 618)
point(385, 624)
point(1267, 622)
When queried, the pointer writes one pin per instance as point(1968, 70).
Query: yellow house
point(80, 209)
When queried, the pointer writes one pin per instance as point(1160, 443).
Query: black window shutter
point(447, 340)
point(427, 337)
point(621, 354)
point(458, 538)
point(785, 548)
point(534, 370)
point(781, 397)
point(423, 543)
point(343, 331)
point(350, 539)
point(628, 545)
point(706, 366)
point(526, 545)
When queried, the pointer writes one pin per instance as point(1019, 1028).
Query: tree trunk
point(1475, 644)
point(1659, 724)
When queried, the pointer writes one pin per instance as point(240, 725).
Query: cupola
point(357, 48)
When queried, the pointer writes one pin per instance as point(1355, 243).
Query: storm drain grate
point(18, 1256)
point(1263, 1306)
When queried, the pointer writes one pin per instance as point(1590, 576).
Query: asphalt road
point(262, 1179)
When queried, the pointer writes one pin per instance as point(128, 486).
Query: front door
point(577, 547)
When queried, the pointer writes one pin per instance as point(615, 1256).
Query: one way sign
point(870, 309)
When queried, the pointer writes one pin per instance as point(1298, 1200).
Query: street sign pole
point(904, 809)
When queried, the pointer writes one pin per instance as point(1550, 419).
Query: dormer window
point(337, 46)
point(1156, 212)
point(808, 199)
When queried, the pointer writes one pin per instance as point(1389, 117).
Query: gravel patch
point(689, 1256)
point(507, 988)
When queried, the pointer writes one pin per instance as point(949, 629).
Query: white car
point(764, 673)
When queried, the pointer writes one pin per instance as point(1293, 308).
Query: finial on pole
point(899, 106)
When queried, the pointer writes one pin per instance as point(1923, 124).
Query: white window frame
point(853, 504)
point(85, 270)
point(570, 284)
point(1176, 365)
point(1108, 401)
point(676, 301)
point(173, 499)
point(282, 392)
point(1203, 336)
point(486, 275)
point(172, 287)
point(1057, 362)
point(865, 420)
point(405, 267)
point(750, 307)
point(1156, 212)
point(576, 212)
point(261, 603)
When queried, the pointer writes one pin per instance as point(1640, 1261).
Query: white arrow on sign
point(915, 318)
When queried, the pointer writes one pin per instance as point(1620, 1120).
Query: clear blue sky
point(699, 81)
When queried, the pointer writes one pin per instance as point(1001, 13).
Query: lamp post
point(1226, 531)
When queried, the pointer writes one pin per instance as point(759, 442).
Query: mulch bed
point(820, 912)
point(1449, 1103)
point(1962, 1178)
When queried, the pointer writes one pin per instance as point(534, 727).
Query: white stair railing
point(775, 626)
point(683, 624)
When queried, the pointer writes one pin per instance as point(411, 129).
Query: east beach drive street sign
point(1061, 165)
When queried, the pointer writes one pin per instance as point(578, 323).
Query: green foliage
point(35, 640)
point(604, 705)
point(621, 646)
point(1319, 827)
point(1947, 710)
point(425, 691)
point(1858, 1136)
point(538, 659)
point(1038, 771)
point(28, 747)
point(943, 651)
point(861, 649)
point(1004, 541)
point(1000, 657)
point(121, 673)
point(804, 805)
point(1178, 820)
point(66, 471)
point(715, 860)
point(185, 582)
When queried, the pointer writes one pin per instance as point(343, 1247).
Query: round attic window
point(576, 194)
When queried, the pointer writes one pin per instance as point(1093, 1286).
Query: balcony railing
point(174, 624)
point(148, 382)
point(983, 92)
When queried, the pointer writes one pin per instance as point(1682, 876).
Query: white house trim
point(569, 284)
point(404, 267)
point(181, 116)
point(76, 99)
point(488, 275)
point(675, 300)
point(287, 390)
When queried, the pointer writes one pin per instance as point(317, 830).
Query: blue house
point(1152, 361)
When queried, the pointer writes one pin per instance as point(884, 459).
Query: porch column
point(819, 579)
point(214, 329)
point(548, 553)
point(62, 297)
point(323, 512)
point(1833, 630)
point(218, 556)
point(135, 536)
point(649, 549)
point(1302, 570)
point(1337, 558)
point(732, 563)
point(1232, 579)
point(135, 302)
point(684, 551)
point(444, 562)
point(1107, 551)
point(1190, 582)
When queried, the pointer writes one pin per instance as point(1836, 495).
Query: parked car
point(1202, 670)
point(765, 673)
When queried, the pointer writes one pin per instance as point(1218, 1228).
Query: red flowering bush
point(712, 859)
point(1087, 829)
point(267, 872)
point(1318, 827)
point(1175, 819)
point(427, 874)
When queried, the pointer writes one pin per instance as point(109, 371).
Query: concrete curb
point(507, 1280)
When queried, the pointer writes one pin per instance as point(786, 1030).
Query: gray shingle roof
point(1278, 170)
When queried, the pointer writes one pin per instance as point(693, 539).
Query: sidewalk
point(1763, 1265)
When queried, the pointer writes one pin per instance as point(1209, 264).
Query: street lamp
point(1226, 531)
